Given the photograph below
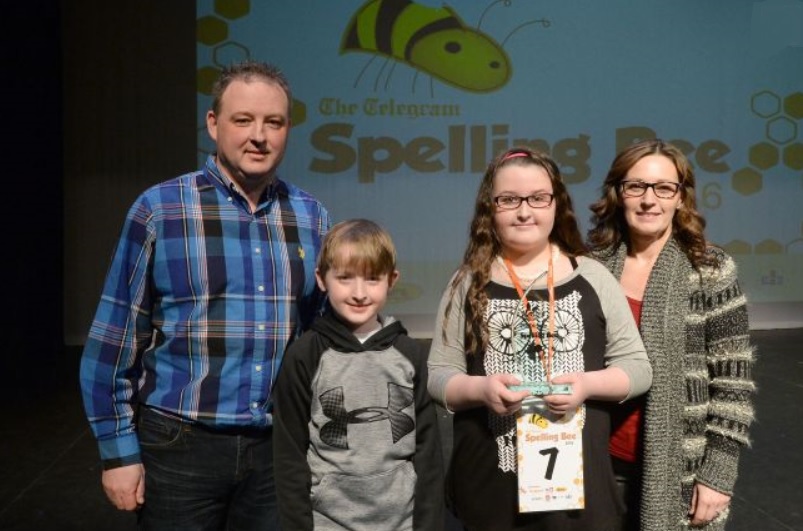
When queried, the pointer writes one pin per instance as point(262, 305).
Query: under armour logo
point(335, 432)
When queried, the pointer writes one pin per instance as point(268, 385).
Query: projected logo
point(391, 42)
point(781, 143)
point(432, 40)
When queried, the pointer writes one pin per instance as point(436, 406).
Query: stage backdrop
point(399, 106)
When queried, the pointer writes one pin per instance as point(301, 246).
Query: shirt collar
point(274, 189)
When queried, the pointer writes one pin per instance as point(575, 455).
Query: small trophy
point(532, 358)
point(542, 388)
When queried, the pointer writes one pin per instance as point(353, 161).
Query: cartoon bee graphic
point(431, 40)
point(539, 421)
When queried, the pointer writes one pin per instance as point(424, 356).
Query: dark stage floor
point(50, 476)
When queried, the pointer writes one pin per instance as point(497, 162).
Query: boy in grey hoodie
point(356, 440)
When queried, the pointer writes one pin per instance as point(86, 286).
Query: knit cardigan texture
point(697, 414)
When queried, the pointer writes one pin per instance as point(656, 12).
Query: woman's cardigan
point(698, 411)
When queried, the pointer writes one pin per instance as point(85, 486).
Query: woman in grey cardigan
point(676, 454)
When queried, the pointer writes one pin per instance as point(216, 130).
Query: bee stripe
point(361, 32)
point(386, 19)
point(394, 27)
point(372, 26)
point(429, 29)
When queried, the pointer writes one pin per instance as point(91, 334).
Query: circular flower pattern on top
point(568, 331)
point(508, 333)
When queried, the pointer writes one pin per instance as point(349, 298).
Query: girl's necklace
point(544, 357)
point(530, 282)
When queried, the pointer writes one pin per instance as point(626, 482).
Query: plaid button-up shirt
point(200, 301)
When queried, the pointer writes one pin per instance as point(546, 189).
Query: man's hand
point(125, 486)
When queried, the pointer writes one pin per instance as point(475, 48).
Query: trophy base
point(542, 388)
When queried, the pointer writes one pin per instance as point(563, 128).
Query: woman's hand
point(707, 504)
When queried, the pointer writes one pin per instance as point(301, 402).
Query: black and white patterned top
point(593, 329)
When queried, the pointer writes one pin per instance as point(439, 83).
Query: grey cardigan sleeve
point(624, 348)
point(729, 355)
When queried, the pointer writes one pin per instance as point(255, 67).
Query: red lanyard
point(544, 358)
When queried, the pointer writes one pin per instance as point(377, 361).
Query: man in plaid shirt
point(213, 275)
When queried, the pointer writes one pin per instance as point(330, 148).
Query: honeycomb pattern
point(781, 130)
point(232, 9)
point(747, 181)
point(205, 77)
point(763, 155)
point(793, 156)
point(793, 105)
point(298, 112)
point(769, 247)
point(736, 247)
point(766, 104)
point(779, 145)
point(229, 52)
point(211, 30)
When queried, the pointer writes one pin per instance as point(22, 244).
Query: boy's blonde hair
point(371, 250)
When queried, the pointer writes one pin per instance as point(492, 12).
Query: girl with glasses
point(527, 313)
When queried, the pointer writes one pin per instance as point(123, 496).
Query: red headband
point(514, 155)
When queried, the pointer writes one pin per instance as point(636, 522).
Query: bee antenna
point(506, 2)
point(543, 21)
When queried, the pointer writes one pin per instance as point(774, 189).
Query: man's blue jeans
point(202, 480)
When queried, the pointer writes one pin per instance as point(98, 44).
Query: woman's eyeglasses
point(662, 189)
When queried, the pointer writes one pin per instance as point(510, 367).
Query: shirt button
point(254, 405)
point(257, 250)
point(261, 288)
point(261, 327)
point(258, 368)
